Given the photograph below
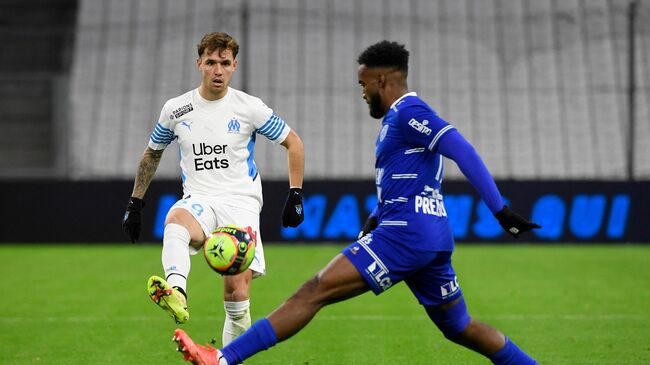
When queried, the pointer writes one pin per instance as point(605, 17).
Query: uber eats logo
point(209, 157)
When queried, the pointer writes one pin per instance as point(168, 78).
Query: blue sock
point(259, 337)
point(510, 354)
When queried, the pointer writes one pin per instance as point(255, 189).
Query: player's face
point(216, 69)
point(369, 81)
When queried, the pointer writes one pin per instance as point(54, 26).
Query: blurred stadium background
point(554, 94)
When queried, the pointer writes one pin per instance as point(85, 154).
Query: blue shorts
point(383, 261)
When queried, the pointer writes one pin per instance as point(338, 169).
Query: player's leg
point(476, 335)
point(367, 264)
point(236, 302)
point(183, 234)
point(455, 323)
point(182, 231)
point(237, 288)
point(360, 267)
point(338, 281)
point(438, 291)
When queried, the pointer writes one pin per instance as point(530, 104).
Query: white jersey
point(217, 140)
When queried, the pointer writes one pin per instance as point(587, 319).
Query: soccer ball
point(230, 249)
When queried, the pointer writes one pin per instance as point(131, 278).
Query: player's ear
point(234, 64)
point(198, 63)
point(381, 80)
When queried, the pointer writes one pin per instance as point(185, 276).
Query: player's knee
point(186, 220)
point(236, 295)
point(235, 292)
point(471, 332)
point(176, 216)
point(450, 321)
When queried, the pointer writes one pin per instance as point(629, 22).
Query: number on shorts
point(197, 209)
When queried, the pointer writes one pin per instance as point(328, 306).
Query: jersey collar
point(201, 101)
point(393, 106)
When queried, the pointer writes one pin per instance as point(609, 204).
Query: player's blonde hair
point(217, 41)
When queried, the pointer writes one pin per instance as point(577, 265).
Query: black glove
point(293, 214)
point(132, 218)
point(513, 223)
point(371, 223)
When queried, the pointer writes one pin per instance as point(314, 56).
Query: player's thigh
point(339, 280)
point(436, 288)
point(436, 283)
point(242, 216)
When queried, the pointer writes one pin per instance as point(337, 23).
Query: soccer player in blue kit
point(406, 238)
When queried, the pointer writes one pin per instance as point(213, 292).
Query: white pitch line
point(361, 317)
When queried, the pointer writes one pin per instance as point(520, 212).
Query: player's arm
point(295, 158)
point(275, 129)
point(454, 146)
point(131, 223)
point(421, 126)
point(293, 214)
point(161, 136)
point(146, 170)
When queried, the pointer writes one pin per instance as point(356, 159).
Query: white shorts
point(213, 212)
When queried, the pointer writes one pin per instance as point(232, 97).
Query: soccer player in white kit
point(216, 128)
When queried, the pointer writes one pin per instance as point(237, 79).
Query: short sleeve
point(421, 126)
point(267, 123)
point(163, 133)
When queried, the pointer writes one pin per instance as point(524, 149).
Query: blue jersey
point(408, 175)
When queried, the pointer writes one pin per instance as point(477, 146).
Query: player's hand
point(132, 218)
point(371, 223)
point(293, 213)
point(513, 223)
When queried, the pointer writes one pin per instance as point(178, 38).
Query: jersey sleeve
point(163, 133)
point(421, 126)
point(456, 147)
point(267, 123)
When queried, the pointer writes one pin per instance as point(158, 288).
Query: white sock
point(238, 319)
point(176, 255)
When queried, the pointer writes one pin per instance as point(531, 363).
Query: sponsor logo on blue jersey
point(365, 240)
point(430, 202)
point(379, 274)
point(450, 288)
point(377, 271)
point(233, 126)
point(420, 126)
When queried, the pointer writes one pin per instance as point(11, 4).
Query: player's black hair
point(386, 54)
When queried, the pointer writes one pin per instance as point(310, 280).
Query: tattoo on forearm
point(146, 171)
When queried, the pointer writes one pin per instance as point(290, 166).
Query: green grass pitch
point(86, 304)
